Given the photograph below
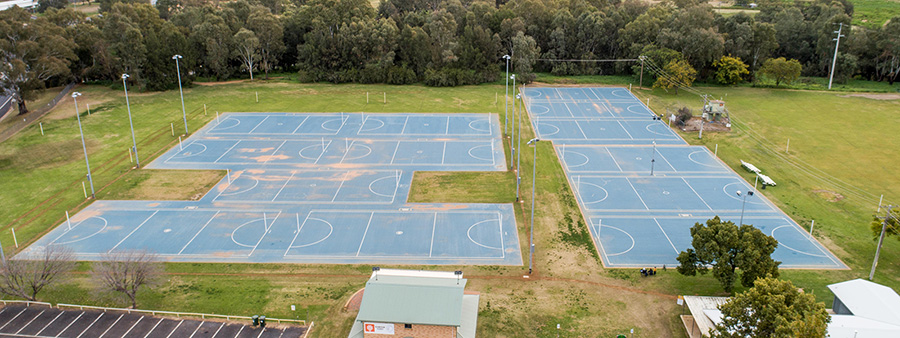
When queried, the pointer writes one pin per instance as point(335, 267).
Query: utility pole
point(641, 81)
point(884, 223)
point(834, 61)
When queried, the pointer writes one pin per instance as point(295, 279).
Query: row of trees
point(438, 42)
point(119, 272)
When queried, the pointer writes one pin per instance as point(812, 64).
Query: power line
point(588, 60)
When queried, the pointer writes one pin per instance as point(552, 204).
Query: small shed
point(864, 309)
point(714, 109)
point(704, 314)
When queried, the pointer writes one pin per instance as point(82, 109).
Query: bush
point(684, 114)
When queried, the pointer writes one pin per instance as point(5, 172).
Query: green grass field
point(874, 13)
point(848, 138)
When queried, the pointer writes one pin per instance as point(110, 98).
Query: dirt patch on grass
point(875, 96)
point(828, 195)
point(693, 125)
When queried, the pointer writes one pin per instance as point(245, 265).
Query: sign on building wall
point(380, 328)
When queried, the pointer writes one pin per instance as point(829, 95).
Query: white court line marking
point(258, 124)
point(493, 160)
point(695, 192)
point(29, 322)
point(154, 328)
point(133, 231)
point(582, 130)
point(444, 153)
point(343, 123)
point(182, 151)
point(361, 156)
point(198, 232)
point(613, 158)
point(111, 326)
point(690, 157)
point(567, 108)
point(378, 180)
point(330, 231)
point(89, 326)
point(300, 125)
point(176, 328)
point(447, 131)
point(433, 229)
point(395, 152)
point(132, 326)
point(636, 193)
point(48, 324)
point(363, 240)
point(226, 152)
point(626, 234)
point(265, 232)
point(780, 243)
point(255, 183)
point(347, 151)
point(333, 198)
point(473, 156)
point(405, 122)
point(328, 144)
point(469, 235)
point(667, 161)
point(299, 227)
point(274, 152)
point(500, 224)
point(70, 324)
point(282, 186)
point(105, 224)
point(665, 234)
point(623, 129)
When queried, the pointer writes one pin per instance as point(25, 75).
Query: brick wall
point(418, 331)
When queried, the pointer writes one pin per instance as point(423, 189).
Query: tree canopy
point(730, 70)
point(772, 308)
point(781, 70)
point(726, 247)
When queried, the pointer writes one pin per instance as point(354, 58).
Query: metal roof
point(698, 306)
point(469, 317)
point(413, 300)
point(869, 300)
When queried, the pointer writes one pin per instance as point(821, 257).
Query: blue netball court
point(641, 187)
point(313, 188)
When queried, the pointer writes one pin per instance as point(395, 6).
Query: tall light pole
point(506, 98)
point(749, 193)
point(834, 60)
point(653, 158)
point(512, 144)
point(75, 96)
point(519, 147)
point(130, 124)
point(183, 113)
point(533, 184)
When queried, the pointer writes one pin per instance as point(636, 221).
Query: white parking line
point(89, 326)
point(48, 324)
point(111, 326)
point(132, 326)
point(154, 328)
point(29, 322)
point(70, 324)
point(176, 328)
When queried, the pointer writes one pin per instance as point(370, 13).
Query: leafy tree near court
point(526, 57)
point(772, 308)
point(247, 49)
point(781, 70)
point(44, 5)
point(891, 228)
point(270, 33)
point(730, 70)
point(31, 53)
point(127, 272)
point(678, 73)
point(727, 247)
point(26, 277)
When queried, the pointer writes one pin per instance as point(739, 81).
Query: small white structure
point(863, 309)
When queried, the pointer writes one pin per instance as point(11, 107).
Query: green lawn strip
point(874, 12)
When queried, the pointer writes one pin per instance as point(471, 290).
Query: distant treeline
point(437, 42)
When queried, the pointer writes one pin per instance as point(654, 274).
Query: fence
point(33, 115)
